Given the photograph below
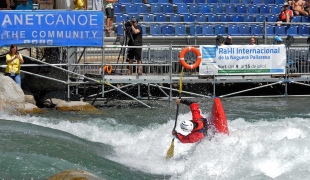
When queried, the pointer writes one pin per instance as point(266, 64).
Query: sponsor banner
point(242, 60)
point(51, 28)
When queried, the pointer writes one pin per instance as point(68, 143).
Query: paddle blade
point(170, 152)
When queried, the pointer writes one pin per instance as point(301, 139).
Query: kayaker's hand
point(174, 132)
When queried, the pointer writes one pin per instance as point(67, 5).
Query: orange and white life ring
point(198, 58)
point(107, 69)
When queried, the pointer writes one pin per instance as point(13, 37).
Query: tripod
point(127, 33)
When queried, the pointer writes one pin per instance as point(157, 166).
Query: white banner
point(242, 60)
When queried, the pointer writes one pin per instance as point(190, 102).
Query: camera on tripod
point(128, 25)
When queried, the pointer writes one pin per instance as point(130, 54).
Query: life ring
point(198, 59)
point(107, 69)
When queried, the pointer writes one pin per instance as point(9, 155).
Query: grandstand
point(209, 18)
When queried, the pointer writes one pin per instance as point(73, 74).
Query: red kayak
point(219, 117)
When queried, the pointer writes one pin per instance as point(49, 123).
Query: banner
point(242, 60)
point(51, 28)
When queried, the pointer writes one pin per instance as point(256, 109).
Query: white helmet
point(187, 126)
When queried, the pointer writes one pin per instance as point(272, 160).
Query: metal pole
point(170, 76)
point(68, 78)
point(102, 63)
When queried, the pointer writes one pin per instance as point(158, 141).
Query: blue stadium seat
point(141, 9)
point(195, 30)
point(218, 9)
point(272, 18)
point(303, 30)
point(188, 1)
point(280, 30)
point(182, 9)
point(124, 1)
point(175, 18)
point(180, 30)
point(143, 30)
point(160, 18)
point(120, 18)
point(296, 19)
point(136, 2)
point(148, 18)
point(188, 18)
point(177, 2)
point(223, 1)
point(241, 9)
point(212, 1)
point(292, 30)
point(201, 18)
point(260, 18)
point(156, 9)
point(244, 30)
point(279, 1)
point(155, 30)
point(305, 19)
point(219, 30)
point(201, 1)
point(257, 2)
point(233, 30)
point(213, 18)
point(207, 30)
point(270, 30)
point(264, 9)
point(257, 30)
point(230, 9)
point(117, 8)
point(253, 9)
point(168, 9)
point(269, 2)
point(235, 2)
point(205, 9)
point(276, 9)
point(194, 9)
point(237, 18)
point(120, 30)
point(225, 18)
point(152, 1)
point(246, 2)
point(248, 18)
point(167, 30)
point(131, 8)
point(163, 2)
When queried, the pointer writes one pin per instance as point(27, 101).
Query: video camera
point(129, 23)
point(308, 40)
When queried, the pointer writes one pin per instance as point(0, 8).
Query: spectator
point(25, 5)
point(286, 15)
point(109, 11)
point(5, 5)
point(13, 60)
point(80, 4)
point(46, 4)
point(277, 40)
point(252, 41)
point(228, 40)
point(136, 40)
point(299, 7)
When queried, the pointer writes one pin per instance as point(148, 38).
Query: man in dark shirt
point(228, 40)
point(136, 40)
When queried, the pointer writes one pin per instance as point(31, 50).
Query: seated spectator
point(299, 7)
point(25, 5)
point(46, 4)
point(285, 15)
point(80, 4)
point(228, 40)
point(252, 41)
point(5, 5)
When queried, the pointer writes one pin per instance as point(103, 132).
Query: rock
point(74, 174)
point(30, 99)
point(62, 105)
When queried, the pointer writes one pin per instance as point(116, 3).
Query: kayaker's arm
point(184, 101)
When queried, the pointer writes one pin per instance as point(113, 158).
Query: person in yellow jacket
point(79, 4)
point(13, 60)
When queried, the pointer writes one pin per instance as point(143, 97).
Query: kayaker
point(195, 127)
